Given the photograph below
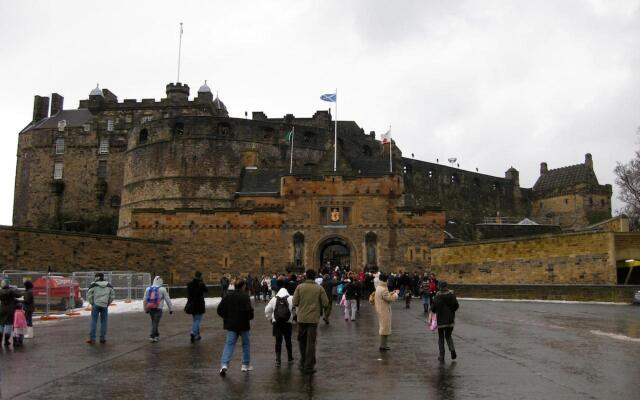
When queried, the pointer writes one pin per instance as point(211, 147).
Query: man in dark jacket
point(195, 304)
point(445, 305)
point(236, 310)
point(327, 285)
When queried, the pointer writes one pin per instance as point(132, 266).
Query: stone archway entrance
point(336, 251)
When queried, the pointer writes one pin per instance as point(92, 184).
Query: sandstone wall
point(35, 249)
point(585, 258)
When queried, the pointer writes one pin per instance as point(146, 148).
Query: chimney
point(543, 168)
point(588, 161)
point(56, 103)
point(40, 108)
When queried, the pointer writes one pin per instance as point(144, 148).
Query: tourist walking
point(236, 311)
point(309, 299)
point(29, 307)
point(8, 296)
point(154, 298)
point(280, 312)
point(351, 293)
point(99, 295)
point(425, 294)
point(328, 285)
point(224, 285)
point(445, 305)
point(383, 300)
point(195, 304)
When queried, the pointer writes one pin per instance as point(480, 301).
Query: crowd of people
point(290, 299)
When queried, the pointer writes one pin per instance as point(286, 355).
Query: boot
point(29, 334)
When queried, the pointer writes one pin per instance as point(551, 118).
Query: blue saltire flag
point(331, 97)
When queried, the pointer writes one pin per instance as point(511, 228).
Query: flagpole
point(390, 156)
point(293, 135)
point(179, 52)
point(335, 139)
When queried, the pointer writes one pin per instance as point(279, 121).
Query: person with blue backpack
point(154, 298)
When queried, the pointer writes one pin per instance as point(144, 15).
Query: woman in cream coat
point(383, 300)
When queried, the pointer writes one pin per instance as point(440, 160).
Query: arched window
point(407, 169)
point(224, 129)
point(454, 178)
point(298, 250)
point(371, 240)
point(115, 201)
point(143, 136)
point(430, 174)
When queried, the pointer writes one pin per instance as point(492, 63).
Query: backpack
point(153, 297)
point(340, 288)
point(281, 313)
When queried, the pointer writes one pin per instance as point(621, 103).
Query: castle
point(220, 188)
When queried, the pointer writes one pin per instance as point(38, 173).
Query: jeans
point(195, 326)
point(230, 344)
point(29, 316)
point(6, 329)
point(282, 330)
point(307, 334)
point(445, 333)
point(103, 312)
point(155, 314)
point(352, 306)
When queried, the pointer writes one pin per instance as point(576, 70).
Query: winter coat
point(271, 306)
point(29, 304)
point(383, 308)
point(195, 296)
point(445, 305)
point(19, 320)
point(352, 290)
point(236, 311)
point(101, 294)
point(309, 299)
point(8, 297)
point(162, 294)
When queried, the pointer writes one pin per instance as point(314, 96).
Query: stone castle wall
point(36, 249)
point(580, 258)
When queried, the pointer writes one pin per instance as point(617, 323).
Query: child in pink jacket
point(19, 326)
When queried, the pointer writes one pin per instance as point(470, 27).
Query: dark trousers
point(283, 331)
point(445, 333)
point(155, 314)
point(307, 334)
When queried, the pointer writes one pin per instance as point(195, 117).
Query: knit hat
point(443, 285)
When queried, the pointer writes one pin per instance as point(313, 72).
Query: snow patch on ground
point(544, 301)
point(121, 307)
point(615, 336)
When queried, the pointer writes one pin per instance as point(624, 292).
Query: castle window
point(224, 129)
point(146, 118)
point(298, 250)
point(143, 136)
point(102, 169)
point(104, 146)
point(60, 146)
point(602, 202)
point(370, 241)
point(346, 215)
point(566, 201)
point(366, 150)
point(178, 128)
point(455, 179)
point(430, 174)
point(476, 182)
point(324, 216)
point(86, 127)
point(61, 125)
point(57, 170)
point(406, 169)
point(308, 137)
point(110, 125)
point(495, 186)
point(128, 118)
point(115, 201)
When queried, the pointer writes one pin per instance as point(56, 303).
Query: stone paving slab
point(506, 351)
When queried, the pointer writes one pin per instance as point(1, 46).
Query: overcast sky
point(493, 83)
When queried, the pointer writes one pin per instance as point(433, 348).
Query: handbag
point(433, 322)
point(372, 298)
point(188, 308)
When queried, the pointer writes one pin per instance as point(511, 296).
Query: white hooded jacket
point(271, 306)
point(162, 293)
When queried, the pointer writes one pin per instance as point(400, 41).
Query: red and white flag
point(386, 137)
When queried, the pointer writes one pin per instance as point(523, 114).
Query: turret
point(96, 99)
point(204, 94)
point(178, 92)
point(513, 175)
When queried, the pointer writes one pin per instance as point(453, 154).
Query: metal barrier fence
point(65, 291)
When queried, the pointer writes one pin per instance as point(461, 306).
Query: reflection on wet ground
point(506, 350)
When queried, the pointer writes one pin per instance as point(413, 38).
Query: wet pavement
point(505, 350)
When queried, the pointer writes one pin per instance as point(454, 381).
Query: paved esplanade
point(505, 351)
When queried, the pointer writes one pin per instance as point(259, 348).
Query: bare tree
point(628, 179)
